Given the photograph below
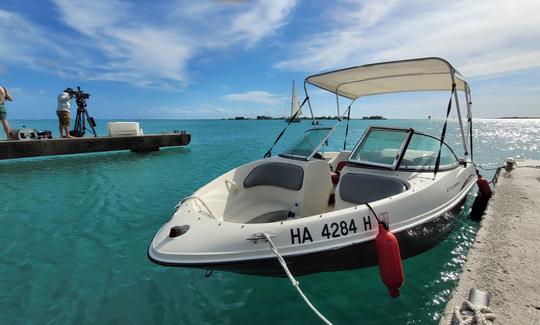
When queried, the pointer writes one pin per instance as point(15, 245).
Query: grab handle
point(209, 212)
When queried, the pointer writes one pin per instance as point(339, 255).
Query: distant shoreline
point(517, 118)
point(273, 119)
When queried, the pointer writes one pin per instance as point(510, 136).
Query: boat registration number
point(301, 235)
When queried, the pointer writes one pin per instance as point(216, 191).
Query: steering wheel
point(318, 156)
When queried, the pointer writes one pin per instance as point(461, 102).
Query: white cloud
point(16, 90)
point(21, 41)
point(263, 18)
point(363, 14)
point(480, 38)
point(214, 109)
point(197, 112)
point(92, 17)
point(20, 92)
point(145, 44)
point(260, 97)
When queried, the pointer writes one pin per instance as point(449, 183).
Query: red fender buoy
point(481, 201)
point(483, 186)
point(390, 266)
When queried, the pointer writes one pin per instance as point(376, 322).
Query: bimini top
point(422, 74)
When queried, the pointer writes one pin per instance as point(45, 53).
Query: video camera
point(79, 95)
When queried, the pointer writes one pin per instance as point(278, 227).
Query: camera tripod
point(79, 128)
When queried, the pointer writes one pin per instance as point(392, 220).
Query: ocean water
point(75, 230)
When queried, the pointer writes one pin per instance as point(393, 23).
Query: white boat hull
point(330, 240)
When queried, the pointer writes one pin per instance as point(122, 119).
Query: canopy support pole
point(469, 117)
point(443, 133)
point(461, 130)
point(337, 105)
point(309, 104)
point(347, 128)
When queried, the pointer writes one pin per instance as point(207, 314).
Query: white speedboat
point(318, 207)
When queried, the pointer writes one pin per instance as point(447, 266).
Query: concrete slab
point(48, 147)
point(505, 257)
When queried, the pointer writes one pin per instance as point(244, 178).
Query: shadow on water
point(86, 160)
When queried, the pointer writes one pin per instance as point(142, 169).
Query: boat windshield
point(422, 153)
point(308, 144)
point(384, 147)
point(380, 147)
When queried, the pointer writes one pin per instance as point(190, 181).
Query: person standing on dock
point(64, 114)
point(4, 95)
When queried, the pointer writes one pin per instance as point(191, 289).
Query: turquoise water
point(75, 230)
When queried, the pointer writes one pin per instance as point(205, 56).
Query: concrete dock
point(504, 259)
point(46, 147)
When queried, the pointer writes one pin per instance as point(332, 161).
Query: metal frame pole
point(456, 97)
point(309, 103)
point(453, 77)
point(337, 106)
point(469, 117)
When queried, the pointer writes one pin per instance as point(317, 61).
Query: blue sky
point(214, 59)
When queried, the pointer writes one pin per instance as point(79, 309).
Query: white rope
point(479, 315)
point(295, 283)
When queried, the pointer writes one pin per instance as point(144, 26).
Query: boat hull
point(412, 241)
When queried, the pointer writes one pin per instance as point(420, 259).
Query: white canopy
point(423, 74)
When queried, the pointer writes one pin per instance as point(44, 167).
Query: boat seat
point(260, 212)
point(364, 188)
point(272, 216)
point(278, 174)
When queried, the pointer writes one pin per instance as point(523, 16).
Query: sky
point(219, 59)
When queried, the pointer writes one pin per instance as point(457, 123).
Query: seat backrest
point(364, 188)
point(278, 174)
point(306, 183)
point(317, 188)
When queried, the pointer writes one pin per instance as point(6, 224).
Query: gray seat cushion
point(278, 174)
point(365, 188)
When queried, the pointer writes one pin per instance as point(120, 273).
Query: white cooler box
point(119, 129)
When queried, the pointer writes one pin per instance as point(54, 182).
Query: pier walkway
point(47, 147)
point(504, 259)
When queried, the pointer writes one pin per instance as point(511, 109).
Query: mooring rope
point(479, 314)
point(294, 282)
point(486, 168)
point(509, 165)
